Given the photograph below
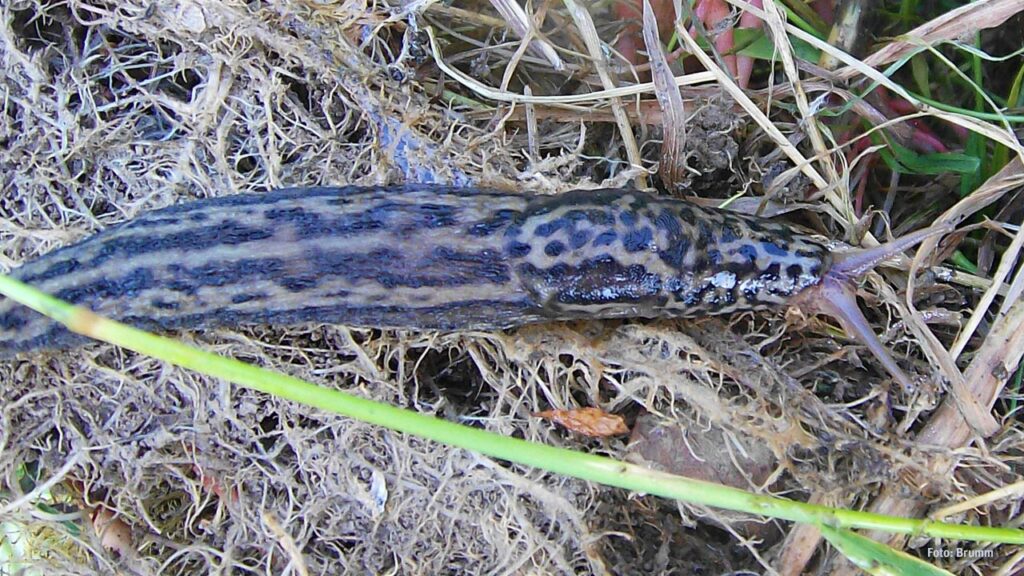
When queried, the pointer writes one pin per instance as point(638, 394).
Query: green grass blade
point(877, 558)
point(559, 460)
point(903, 159)
point(1001, 154)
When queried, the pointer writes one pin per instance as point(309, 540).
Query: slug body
point(423, 257)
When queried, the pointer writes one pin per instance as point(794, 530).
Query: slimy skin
point(431, 257)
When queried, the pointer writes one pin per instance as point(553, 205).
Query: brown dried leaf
point(673, 147)
point(589, 421)
point(960, 23)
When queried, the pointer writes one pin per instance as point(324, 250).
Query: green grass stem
point(559, 460)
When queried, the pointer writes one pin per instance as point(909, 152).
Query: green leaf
point(975, 148)
point(754, 43)
point(1001, 154)
point(903, 159)
point(919, 69)
point(877, 558)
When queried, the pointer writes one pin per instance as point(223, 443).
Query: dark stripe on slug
point(299, 283)
point(595, 216)
point(243, 298)
point(14, 320)
point(331, 195)
point(56, 336)
point(311, 225)
point(154, 221)
point(748, 251)
point(744, 269)
point(127, 286)
point(606, 238)
point(228, 273)
point(728, 234)
point(669, 223)
point(705, 235)
point(579, 239)
point(226, 233)
point(286, 214)
point(443, 267)
point(483, 313)
point(548, 228)
point(602, 280)
point(61, 268)
point(774, 249)
point(487, 265)
point(518, 249)
point(415, 216)
point(492, 225)
point(554, 248)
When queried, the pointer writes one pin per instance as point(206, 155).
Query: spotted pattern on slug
point(424, 257)
point(630, 254)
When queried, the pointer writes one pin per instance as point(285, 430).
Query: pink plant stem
point(924, 138)
point(745, 64)
point(710, 13)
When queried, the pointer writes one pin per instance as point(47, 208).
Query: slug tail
point(855, 263)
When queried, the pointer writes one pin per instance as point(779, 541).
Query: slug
point(431, 257)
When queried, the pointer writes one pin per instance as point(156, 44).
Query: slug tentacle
point(836, 295)
point(856, 262)
point(437, 257)
point(838, 298)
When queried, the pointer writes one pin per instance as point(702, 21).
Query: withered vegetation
point(113, 108)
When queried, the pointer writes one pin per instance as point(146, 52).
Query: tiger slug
point(430, 257)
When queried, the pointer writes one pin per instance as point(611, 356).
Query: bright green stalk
point(585, 466)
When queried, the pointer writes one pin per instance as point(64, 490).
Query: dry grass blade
point(585, 25)
point(1015, 490)
point(1006, 264)
point(522, 25)
point(673, 146)
point(1000, 135)
point(1007, 179)
point(958, 23)
point(565, 100)
point(800, 545)
point(985, 377)
point(784, 50)
point(288, 543)
point(976, 415)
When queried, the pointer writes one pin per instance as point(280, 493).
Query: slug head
point(836, 296)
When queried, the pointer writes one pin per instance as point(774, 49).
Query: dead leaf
point(589, 421)
point(673, 147)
